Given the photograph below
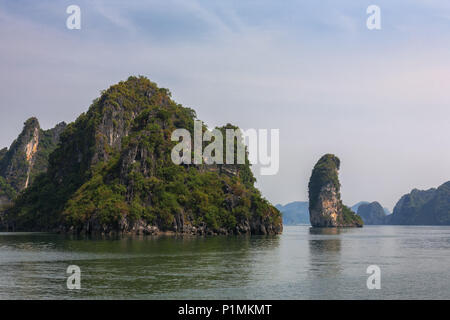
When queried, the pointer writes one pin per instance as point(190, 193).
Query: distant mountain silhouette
point(295, 213)
point(356, 206)
point(372, 213)
point(423, 207)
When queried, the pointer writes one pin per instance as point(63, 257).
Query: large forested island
point(423, 207)
point(111, 172)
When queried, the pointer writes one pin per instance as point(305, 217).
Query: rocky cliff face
point(372, 213)
point(423, 207)
point(18, 161)
point(112, 172)
point(27, 157)
point(327, 209)
point(3, 152)
point(325, 205)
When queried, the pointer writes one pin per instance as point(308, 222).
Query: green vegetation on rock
point(423, 207)
point(325, 172)
point(325, 205)
point(2, 153)
point(6, 191)
point(112, 172)
point(26, 158)
point(350, 218)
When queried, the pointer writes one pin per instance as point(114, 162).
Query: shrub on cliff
point(350, 217)
point(6, 190)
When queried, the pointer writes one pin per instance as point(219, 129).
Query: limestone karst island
point(325, 205)
point(112, 172)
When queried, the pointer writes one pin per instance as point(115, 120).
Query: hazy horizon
point(377, 99)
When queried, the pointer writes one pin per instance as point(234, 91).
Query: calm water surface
point(302, 263)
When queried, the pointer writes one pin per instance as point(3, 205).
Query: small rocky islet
point(325, 205)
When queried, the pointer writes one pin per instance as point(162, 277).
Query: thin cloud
point(114, 15)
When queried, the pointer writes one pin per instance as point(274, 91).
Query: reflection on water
point(324, 250)
point(144, 266)
point(324, 240)
point(302, 263)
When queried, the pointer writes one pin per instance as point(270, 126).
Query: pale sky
point(379, 100)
